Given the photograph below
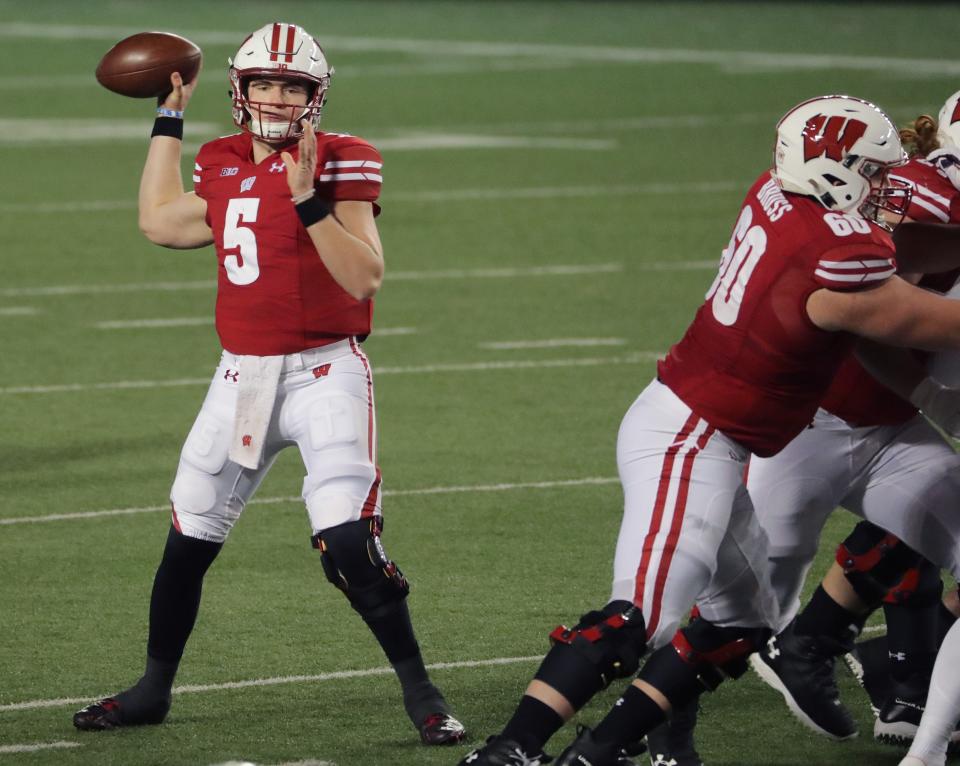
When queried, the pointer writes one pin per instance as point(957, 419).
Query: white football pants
point(688, 533)
point(903, 478)
point(324, 405)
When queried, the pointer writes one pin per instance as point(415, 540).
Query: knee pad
point(700, 657)
point(602, 646)
point(354, 560)
point(920, 587)
point(874, 561)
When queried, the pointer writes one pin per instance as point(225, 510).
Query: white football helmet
point(948, 123)
point(282, 51)
point(839, 150)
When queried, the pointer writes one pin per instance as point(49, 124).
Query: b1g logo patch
point(833, 137)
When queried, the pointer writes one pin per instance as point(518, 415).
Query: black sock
point(174, 604)
point(911, 639)
point(532, 724)
point(394, 632)
point(824, 618)
point(633, 715)
point(148, 700)
point(175, 600)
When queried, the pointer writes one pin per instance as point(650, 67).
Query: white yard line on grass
point(441, 195)
point(462, 489)
point(36, 747)
point(298, 679)
point(555, 270)
point(738, 60)
point(425, 369)
point(505, 345)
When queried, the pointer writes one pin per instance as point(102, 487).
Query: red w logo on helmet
point(956, 113)
point(832, 136)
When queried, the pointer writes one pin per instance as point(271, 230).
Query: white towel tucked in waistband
point(259, 376)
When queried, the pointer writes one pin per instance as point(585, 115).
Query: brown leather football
point(140, 65)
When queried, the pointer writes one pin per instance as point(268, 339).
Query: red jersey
point(274, 295)
point(855, 395)
point(752, 363)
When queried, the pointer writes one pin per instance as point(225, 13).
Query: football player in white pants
point(808, 266)
point(942, 711)
point(870, 452)
point(291, 212)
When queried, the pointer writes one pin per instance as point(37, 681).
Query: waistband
point(303, 360)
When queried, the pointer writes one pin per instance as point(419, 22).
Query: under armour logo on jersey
point(246, 439)
point(661, 760)
point(232, 375)
point(277, 167)
point(247, 184)
point(472, 757)
point(322, 371)
point(898, 656)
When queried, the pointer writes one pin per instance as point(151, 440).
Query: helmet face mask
point(839, 150)
point(279, 52)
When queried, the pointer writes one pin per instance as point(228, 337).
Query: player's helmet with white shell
point(839, 150)
point(948, 123)
point(284, 51)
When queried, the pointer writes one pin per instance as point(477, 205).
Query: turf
point(613, 139)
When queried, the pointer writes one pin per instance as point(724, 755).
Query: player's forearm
point(899, 369)
point(355, 265)
point(160, 184)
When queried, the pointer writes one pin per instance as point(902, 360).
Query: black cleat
point(441, 729)
point(586, 751)
point(671, 743)
point(108, 714)
point(868, 661)
point(801, 668)
point(899, 718)
point(500, 751)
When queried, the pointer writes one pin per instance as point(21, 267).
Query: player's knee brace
point(353, 559)
point(602, 646)
point(919, 588)
point(874, 561)
point(700, 657)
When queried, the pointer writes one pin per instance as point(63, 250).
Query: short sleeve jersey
point(752, 363)
point(274, 295)
point(855, 396)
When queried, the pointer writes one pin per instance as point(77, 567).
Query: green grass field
point(560, 178)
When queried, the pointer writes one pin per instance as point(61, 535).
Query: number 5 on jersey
point(242, 269)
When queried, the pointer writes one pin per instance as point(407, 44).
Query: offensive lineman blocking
point(808, 267)
point(291, 213)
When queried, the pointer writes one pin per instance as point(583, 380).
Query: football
point(140, 66)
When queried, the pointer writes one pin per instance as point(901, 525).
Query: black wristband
point(168, 126)
point(311, 210)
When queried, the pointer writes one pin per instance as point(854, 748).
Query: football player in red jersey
point(809, 267)
point(291, 213)
point(869, 450)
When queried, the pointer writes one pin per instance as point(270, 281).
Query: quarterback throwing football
point(291, 212)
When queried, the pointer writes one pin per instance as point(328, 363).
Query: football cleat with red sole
point(442, 729)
